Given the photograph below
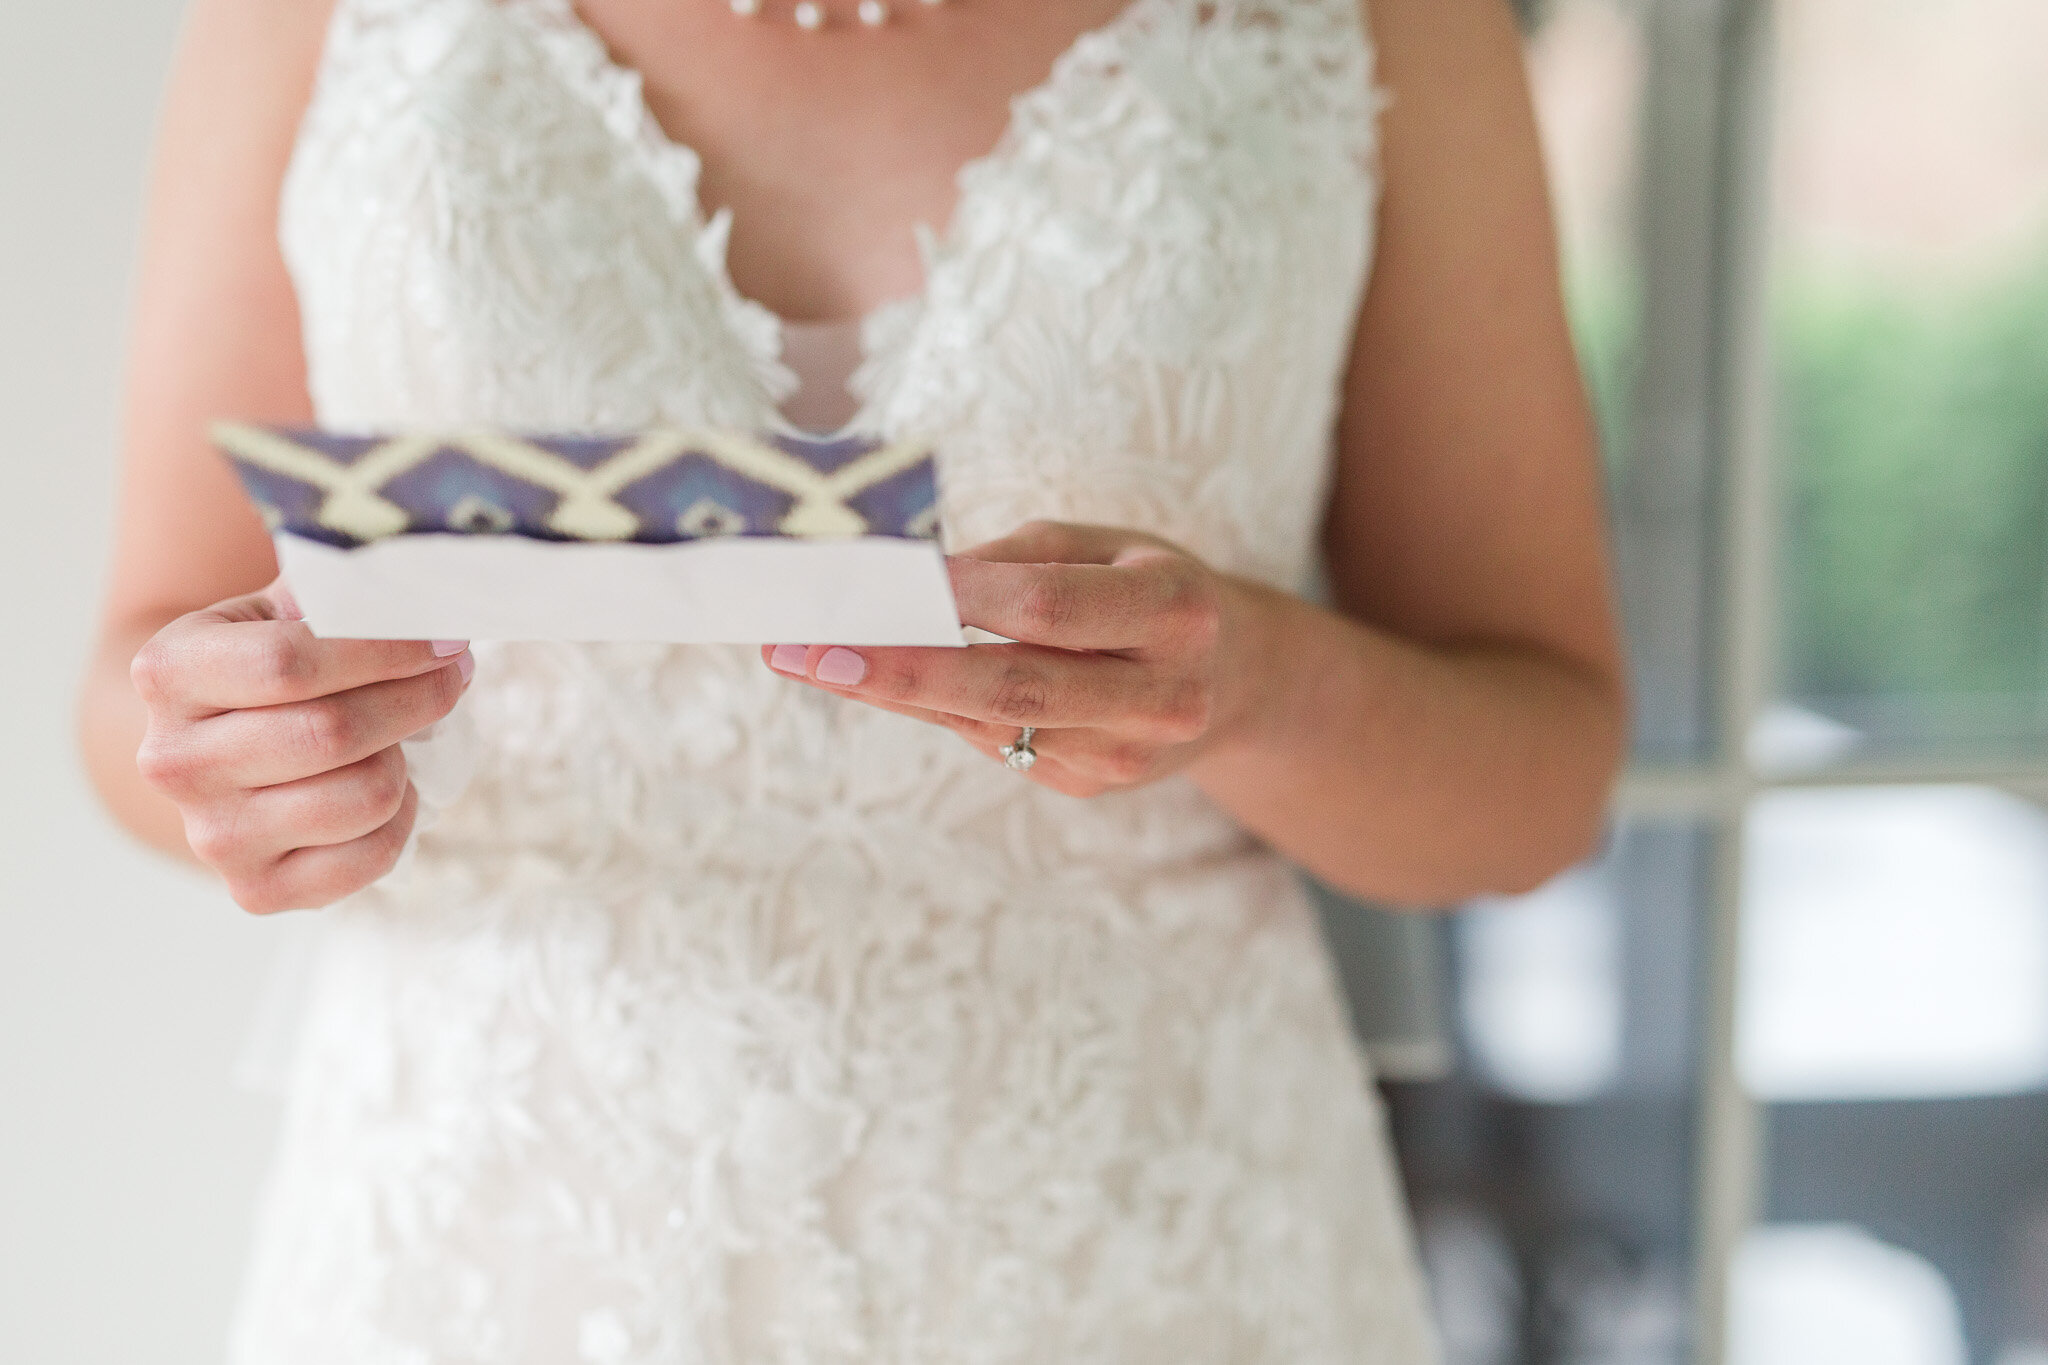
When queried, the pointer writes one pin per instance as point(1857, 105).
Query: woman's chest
point(1137, 311)
point(830, 148)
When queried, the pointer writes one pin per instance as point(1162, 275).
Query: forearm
point(1411, 774)
point(111, 721)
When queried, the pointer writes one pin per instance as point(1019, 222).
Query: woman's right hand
point(281, 750)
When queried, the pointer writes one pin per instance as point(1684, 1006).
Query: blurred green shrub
point(1914, 441)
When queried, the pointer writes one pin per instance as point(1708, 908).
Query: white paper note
point(873, 590)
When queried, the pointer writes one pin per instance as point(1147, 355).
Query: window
point(1768, 1082)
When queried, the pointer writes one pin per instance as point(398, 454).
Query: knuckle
point(1048, 605)
point(1019, 696)
point(225, 834)
point(167, 766)
point(382, 788)
point(159, 766)
point(279, 665)
point(894, 677)
point(326, 727)
point(151, 671)
point(211, 839)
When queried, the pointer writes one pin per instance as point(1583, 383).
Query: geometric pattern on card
point(660, 485)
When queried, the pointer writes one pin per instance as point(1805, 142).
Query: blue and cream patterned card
point(661, 534)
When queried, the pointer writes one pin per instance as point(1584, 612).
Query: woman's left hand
point(1131, 656)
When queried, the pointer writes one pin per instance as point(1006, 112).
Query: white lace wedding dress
point(717, 1019)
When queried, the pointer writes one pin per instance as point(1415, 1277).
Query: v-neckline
point(934, 249)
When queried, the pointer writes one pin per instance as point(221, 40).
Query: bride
point(748, 1006)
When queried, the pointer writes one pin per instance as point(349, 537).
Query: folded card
point(689, 536)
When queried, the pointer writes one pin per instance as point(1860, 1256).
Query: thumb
point(274, 602)
point(283, 604)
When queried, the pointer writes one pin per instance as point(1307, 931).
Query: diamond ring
point(1020, 756)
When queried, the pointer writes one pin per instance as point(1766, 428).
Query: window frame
point(1697, 516)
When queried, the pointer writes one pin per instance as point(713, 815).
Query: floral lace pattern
point(714, 1019)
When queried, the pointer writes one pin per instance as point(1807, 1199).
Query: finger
point(973, 731)
point(272, 603)
point(988, 738)
point(1078, 762)
point(324, 809)
point(790, 659)
point(267, 745)
point(210, 662)
point(1084, 606)
point(1010, 685)
point(1057, 542)
point(1100, 758)
point(1018, 686)
point(307, 878)
point(284, 603)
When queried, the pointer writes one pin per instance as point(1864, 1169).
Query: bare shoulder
point(1454, 72)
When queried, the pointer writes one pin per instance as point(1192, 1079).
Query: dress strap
point(406, 37)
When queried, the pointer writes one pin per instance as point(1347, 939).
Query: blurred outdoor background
point(1769, 1083)
point(1766, 1084)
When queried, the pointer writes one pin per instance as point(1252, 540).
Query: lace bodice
point(715, 1019)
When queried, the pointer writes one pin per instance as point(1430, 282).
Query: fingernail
point(287, 605)
point(788, 659)
point(465, 664)
point(841, 668)
point(443, 648)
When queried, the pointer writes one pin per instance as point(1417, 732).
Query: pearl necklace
point(810, 14)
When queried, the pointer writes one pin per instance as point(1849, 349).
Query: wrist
point(1270, 662)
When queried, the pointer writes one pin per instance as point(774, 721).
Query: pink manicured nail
point(443, 648)
point(465, 664)
point(841, 668)
point(287, 605)
point(788, 659)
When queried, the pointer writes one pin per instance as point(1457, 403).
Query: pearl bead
point(810, 14)
point(746, 8)
point(873, 13)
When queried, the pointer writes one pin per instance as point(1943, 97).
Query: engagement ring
point(1020, 756)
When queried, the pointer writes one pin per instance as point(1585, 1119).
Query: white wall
point(128, 1159)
